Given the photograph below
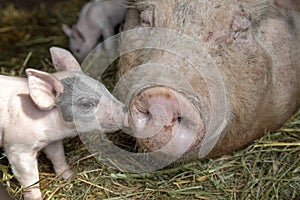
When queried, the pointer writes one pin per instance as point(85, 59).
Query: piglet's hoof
point(67, 174)
point(32, 194)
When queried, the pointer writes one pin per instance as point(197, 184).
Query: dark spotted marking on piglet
point(64, 100)
point(77, 97)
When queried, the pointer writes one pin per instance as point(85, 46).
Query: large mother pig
point(242, 73)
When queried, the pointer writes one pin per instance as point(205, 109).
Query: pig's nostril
point(140, 115)
point(179, 119)
point(149, 116)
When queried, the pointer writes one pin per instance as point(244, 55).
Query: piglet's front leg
point(56, 154)
point(25, 168)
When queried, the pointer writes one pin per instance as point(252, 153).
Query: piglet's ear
point(43, 88)
point(66, 29)
point(63, 60)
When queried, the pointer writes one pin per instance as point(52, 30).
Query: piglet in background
point(97, 19)
point(37, 113)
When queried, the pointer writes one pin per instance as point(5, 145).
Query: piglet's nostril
point(125, 110)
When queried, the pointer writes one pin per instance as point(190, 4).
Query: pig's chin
point(166, 121)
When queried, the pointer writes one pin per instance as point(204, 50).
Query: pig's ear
point(66, 29)
point(63, 60)
point(289, 4)
point(43, 88)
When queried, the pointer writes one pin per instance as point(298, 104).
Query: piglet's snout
point(107, 118)
point(112, 117)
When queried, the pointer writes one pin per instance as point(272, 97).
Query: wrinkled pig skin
point(97, 19)
point(36, 114)
point(255, 46)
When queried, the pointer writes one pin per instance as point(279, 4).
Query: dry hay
point(268, 169)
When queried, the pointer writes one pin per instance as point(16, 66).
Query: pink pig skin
point(25, 130)
point(31, 119)
point(97, 18)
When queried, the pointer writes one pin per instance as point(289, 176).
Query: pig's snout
point(113, 119)
point(165, 120)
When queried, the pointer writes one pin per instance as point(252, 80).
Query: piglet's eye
point(87, 103)
point(77, 50)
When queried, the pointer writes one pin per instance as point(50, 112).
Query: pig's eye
point(87, 103)
point(77, 50)
point(147, 17)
